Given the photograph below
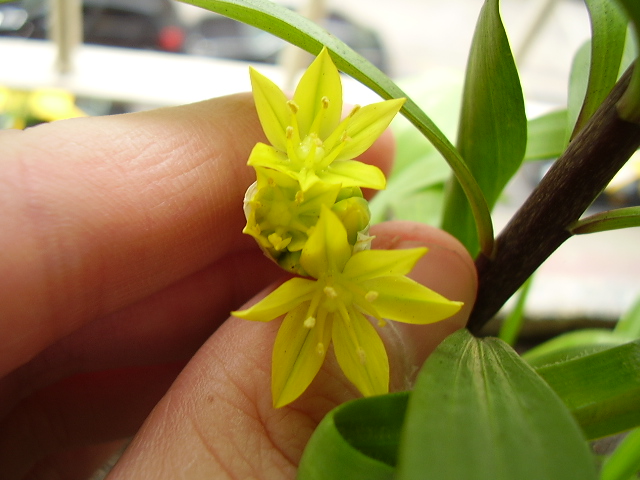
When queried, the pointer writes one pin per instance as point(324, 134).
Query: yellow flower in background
point(333, 307)
point(308, 140)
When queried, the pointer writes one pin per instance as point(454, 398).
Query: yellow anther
point(354, 110)
point(330, 292)
point(293, 106)
point(278, 242)
point(382, 322)
point(309, 323)
point(289, 132)
point(371, 296)
point(325, 102)
point(320, 348)
point(299, 197)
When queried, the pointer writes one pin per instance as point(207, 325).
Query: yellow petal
point(351, 173)
point(361, 354)
point(363, 127)
point(298, 354)
point(369, 264)
point(264, 155)
point(319, 97)
point(272, 108)
point(327, 249)
point(404, 300)
point(283, 299)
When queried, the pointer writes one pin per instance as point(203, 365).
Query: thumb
point(217, 420)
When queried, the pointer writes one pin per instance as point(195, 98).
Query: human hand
point(121, 255)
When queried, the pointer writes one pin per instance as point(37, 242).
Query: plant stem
point(541, 225)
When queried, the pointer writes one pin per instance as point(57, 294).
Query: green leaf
point(609, 29)
point(629, 105)
point(578, 79)
point(624, 462)
point(415, 178)
point(357, 440)
point(629, 324)
point(546, 136)
point(288, 25)
point(493, 127)
point(609, 220)
point(602, 390)
point(479, 411)
point(572, 345)
point(510, 328)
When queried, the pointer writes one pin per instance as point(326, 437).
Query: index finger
point(101, 212)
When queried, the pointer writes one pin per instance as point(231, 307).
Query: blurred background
point(64, 58)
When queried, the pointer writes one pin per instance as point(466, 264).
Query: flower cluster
point(307, 213)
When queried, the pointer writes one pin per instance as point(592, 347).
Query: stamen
point(354, 111)
point(278, 242)
point(330, 292)
point(325, 102)
point(381, 322)
point(299, 197)
point(309, 323)
point(289, 132)
point(320, 348)
point(293, 106)
point(371, 296)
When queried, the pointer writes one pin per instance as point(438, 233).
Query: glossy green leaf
point(546, 136)
point(493, 127)
point(286, 24)
point(610, 220)
point(357, 440)
point(602, 390)
point(629, 105)
point(479, 411)
point(624, 462)
point(608, 29)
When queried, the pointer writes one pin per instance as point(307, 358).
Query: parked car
point(222, 37)
point(145, 24)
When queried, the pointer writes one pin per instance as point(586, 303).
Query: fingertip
point(448, 269)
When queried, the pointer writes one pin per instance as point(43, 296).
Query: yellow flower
point(347, 288)
point(308, 140)
point(280, 215)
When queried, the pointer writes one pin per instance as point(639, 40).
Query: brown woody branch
point(540, 226)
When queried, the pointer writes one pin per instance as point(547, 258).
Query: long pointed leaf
point(602, 390)
point(609, 29)
point(493, 126)
point(629, 105)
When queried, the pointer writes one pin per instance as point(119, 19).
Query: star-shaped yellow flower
point(308, 140)
point(348, 288)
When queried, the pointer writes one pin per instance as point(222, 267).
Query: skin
point(121, 256)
